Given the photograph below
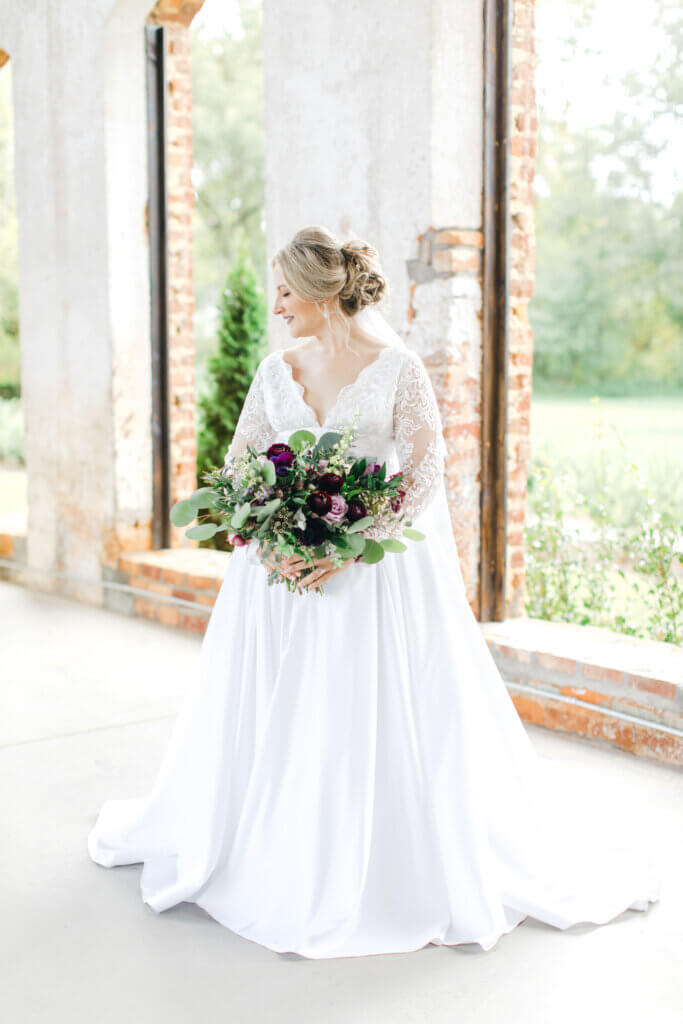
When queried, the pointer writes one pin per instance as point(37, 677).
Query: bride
point(347, 774)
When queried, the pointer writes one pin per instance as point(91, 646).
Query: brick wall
point(176, 16)
point(523, 122)
point(444, 326)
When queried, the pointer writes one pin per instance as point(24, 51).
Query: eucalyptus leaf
point(355, 543)
point(202, 531)
point(413, 534)
point(182, 513)
point(373, 552)
point(391, 544)
point(327, 441)
point(269, 474)
point(240, 515)
point(361, 524)
point(300, 439)
point(267, 510)
point(264, 527)
point(202, 498)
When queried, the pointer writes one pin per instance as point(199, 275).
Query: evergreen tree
point(241, 346)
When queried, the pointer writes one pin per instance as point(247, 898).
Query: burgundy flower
point(371, 467)
point(320, 502)
point(282, 461)
point(356, 510)
point(398, 500)
point(236, 540)
point(277, 449)
point(313, 533)
point(330, 482)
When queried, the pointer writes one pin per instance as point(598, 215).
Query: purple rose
point(320, 502)
point(330, 482)
point(338, 509)
point(356, 510)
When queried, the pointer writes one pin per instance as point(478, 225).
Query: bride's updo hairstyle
point(319, 268)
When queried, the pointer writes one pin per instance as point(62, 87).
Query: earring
point(325, 313)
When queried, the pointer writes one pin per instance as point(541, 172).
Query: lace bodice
point(399, 421)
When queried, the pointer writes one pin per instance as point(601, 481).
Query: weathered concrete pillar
point(81, 186)
point(374, 125)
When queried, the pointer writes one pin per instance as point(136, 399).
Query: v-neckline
point(346, 387)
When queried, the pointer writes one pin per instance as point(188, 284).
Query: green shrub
point(11, 430)
point(628, 576)
point(241, 346)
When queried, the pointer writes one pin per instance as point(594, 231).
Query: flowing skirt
point(348, 775)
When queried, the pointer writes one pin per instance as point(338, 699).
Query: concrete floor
point(88, 699)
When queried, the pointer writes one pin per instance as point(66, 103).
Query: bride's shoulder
point(268, 359)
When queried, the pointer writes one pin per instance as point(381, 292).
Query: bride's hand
point(288, 567)
point(322, 571)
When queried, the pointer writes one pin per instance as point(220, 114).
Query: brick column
point(444, 318)
point(523, 125)
point(176, 17)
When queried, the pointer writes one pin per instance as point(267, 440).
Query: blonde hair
point(318, 268)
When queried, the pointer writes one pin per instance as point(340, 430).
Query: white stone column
point(374, 125)
point(78, 73)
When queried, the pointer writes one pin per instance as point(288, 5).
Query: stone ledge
point(188, 575)
point(579, 679)
point(593, 682)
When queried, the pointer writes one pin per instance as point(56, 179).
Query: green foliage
point(9, 298)
point(643, 430)
point(627, 577)
point(607, 311)
point(228, 175)
point(11, 430)
point(241, 346)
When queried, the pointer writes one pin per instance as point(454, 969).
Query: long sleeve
point(253, 426)
point(418, 434)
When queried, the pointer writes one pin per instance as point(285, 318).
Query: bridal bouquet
point(306, 497)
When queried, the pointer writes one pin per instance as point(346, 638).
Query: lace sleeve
point(418, 433)
point(253, 426)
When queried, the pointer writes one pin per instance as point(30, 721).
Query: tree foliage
point(241, 346)
point(9, 296)
point(607, 311)
point(228, 176)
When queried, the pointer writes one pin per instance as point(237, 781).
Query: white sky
point(622, 37)
point(218, 16)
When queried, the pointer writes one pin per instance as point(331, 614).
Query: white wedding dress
point(347, 774)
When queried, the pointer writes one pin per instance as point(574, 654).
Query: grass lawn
point(563, 430)
point(13, 503)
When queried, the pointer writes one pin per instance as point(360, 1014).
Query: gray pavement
point(87, 699)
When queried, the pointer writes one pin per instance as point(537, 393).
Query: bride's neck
point(334, 342)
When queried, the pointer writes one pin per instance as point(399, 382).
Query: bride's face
point(303, 318)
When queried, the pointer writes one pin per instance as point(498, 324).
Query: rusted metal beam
point(494, 376)
point(157, 220)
